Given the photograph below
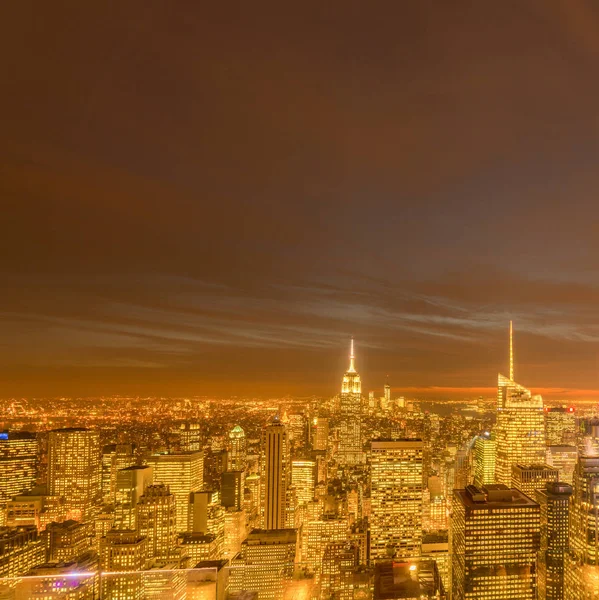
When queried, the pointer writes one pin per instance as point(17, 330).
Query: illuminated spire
point(352, 368)
point(511, 353)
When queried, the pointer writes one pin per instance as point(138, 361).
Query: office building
point(21, 548)
point(528, 478)
point(190, 437)
point(265, 564)
point(563, 458)
point(122, 552)
point(66, 541)
point(74, 470)
point(237, 457)
point(581, 572)
point(131, 483)
point(320, 433)
point(560, 426)
point(18, 460)
point(396, 498)
point(231, 489)
point(183, 474)
point(350, 409)
point(494, 541)
point(234, 532)
point(338, 570)
point(114, 458)
point(554, 501)
point(520, 426)
point(316, 535)
point(276, 467)
point(303, 473)
point(484, 459)
point(157, 521)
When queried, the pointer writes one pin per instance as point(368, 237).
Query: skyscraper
point(320, 433)
point(183, 473)
point(493, 544)
point(266, 562)
point(528, 478)
point(350, 442)
point(520, 428)
point(560, 426)
point(157, 517)
point(18, 458)
point(131, 484)
point(554, 502)
point(276, 474)
point(564, 459)
point(237, 453)
point(396, 498)
point(74, 470)
point(303, 478)
point(484, 459)
point(581, 577)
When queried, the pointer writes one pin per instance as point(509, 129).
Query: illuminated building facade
point(320, 433)
point(18, 459)
point(157, 521)
point(265, 564)
point(494, 541)
point(131, 483)
point(183, 473)
point(520, 430)
point(237, 458)
point(416, 579)
point(190, 437)
point(560, 426)
point(396, 498)
point(350, 409)
point(316, 535)
point(231, 489)
point(21, 548)
point(74, 470)
point(528, 478)
point(554, 501)
point(66, 541)
point(114, 458)
point(120, 553)
point(563, 458)
point(581, 576)
point(484, 459)
point(303, 473)
point(276, 466)
point(234, 532)
point(339, 562)
point(198, 546)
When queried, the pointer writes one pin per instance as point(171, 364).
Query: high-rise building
point(484, 459)
point(122, 553)
point(21, 548)
point(554, 501)
point(18, 459)
point(350, 409)
point(303, 474)
point(387, 395)
point(316, 535)
point(237, 457)
point(339, 562)
point(493, 544)
point(114, 458)
point(74, 470)
point(131, 483)
point(183, 474)
point(320, 433)
point(190, 437)
point(265, 564)
point(234, 532)
point(528, 478)
point(157, 518)
point(520, 428)
point(563, 458)
point(581, 577)
point(231, 489)
point(66, 541)
point(276, 474)
point(396, 498)
point(560, 426)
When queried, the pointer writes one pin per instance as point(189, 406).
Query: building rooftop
point(418, 578)
point(493, 496)
point(271, 536)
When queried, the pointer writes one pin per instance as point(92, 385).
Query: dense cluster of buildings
point(355, 497)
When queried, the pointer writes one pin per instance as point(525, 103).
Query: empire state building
point(350, 443)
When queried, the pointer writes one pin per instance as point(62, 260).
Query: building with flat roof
point(494, 541)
